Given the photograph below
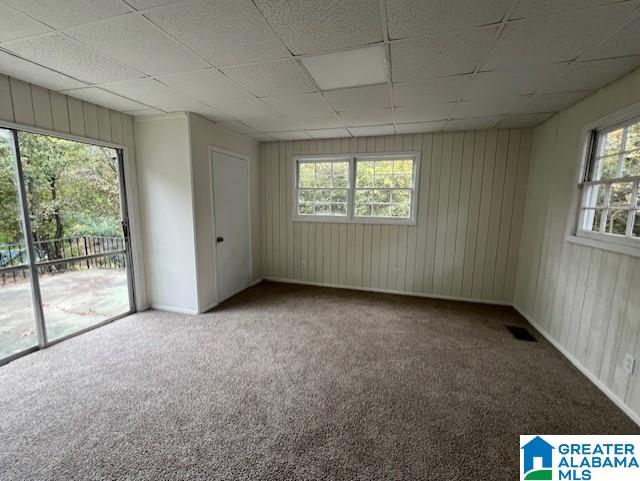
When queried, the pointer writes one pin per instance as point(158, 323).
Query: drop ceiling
point(302, 69)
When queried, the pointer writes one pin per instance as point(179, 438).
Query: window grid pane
point(384, 188)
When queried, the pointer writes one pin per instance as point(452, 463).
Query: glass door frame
point(33, 266)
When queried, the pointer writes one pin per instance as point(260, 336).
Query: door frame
point(122, 150)
point(214, 149)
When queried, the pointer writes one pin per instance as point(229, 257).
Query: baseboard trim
point(257, 281)
point(286, 280)
point(177, 310)
point(598, 383)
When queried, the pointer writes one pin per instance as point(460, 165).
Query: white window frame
point(351, 218)
point(588, 165)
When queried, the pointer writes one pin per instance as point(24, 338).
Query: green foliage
point(72, 188)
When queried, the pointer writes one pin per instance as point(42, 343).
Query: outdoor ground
point(72, 301)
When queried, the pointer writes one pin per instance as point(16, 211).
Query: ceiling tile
point(431, 91)
point(135, 41)
point(360, 98)
point(291, 135)
point(473, 124)
point(625, 42)
point(261, 136)
point(514, 81)
point(437, 111)
point(224, 32)
point(308, 26)
point(283, 77)
point(355, 118)
point(142, 4)
point(523, 120)
point(554, 38)
point(235, 126)
point(301, 106)
point(326, 122)
point(409, 18)
point(534, 8)
point(216, 90)
point(372, 130)
point(64, 13)
point(104, 98)
point(201, 109)
point(65, 55)
point(594, 74)
point(488, 106)
point(273, 123)
point(553, 102)
point(440, 55)
point(350, 68)
point(150, 92)
point(420, 127)
point(328, 133)
point(144, 112)
point(14, 24)
point(35, 74)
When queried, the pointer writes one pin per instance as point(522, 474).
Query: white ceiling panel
point(142, 4)
point(70, 57)
point(625, 42)
point(437, 111)
point(30, 72)
point(536, 8)
point(473, 124)
point(328, 133)
point(308, 26)
point(235, 126)
point(216, 90)
point(135, 41)
point(553, 102)
point(440, 55)
point(594, 74)
point(224, 32)
point(420, 127)
point(513, 82)
point(409, 18)
point(488, 106)
point(350, 68)
point(360, 98)
point(524, 120)
point(203, 110)
point(261, 136)
point(372, 130)
point(431, 91)
point(329, 122)
point(144, 112)
point(291, 135)
point(301, 106)
point(104, 98)
point(555, 38)
point(273, 123)
point(150, 92)
point(283, 77)
point(355, 118)
point(64, 13)
point(14, 24)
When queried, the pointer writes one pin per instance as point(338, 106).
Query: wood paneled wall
point(27, 105)
point(583, 298)
point(465, 243)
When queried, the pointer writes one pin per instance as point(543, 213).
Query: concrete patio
point(71, 300)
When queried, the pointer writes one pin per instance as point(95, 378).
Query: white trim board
point(177, 310)
point(589, 375)
point(284, 280)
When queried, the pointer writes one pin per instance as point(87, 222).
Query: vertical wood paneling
point(42, 115)
point(90, 113)
point(459, 190)
point(104, 124)
point(76, 116)
point(22, 102)
point(6, 107)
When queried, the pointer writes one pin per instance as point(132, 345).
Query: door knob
point(219, 239)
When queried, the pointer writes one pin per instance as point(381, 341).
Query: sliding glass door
point(63, 239)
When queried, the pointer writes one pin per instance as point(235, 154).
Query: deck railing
point(62, 255)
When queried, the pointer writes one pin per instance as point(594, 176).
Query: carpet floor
point(287, 382)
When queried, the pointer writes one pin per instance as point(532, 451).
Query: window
point(364, 188)
point(611, 194)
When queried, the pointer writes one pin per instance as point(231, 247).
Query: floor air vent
point(521, 333)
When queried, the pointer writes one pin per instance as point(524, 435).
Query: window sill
point(346, 220)
point(603, 245)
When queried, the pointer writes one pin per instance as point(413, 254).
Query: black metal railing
point(61, 255)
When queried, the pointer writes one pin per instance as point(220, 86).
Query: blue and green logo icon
point(537, 459)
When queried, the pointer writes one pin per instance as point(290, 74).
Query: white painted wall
point(205, 133)
point(166, 205)
point(583, 298)
point(23, 105)
point(465, 243)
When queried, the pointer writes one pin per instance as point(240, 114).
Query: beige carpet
point(287, 382)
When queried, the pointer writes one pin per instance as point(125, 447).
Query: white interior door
point(231, 224)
